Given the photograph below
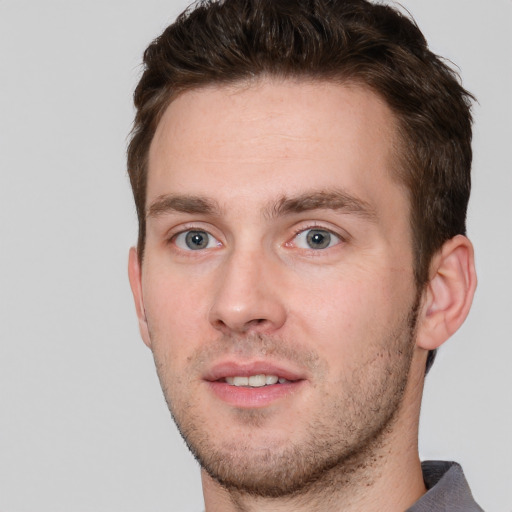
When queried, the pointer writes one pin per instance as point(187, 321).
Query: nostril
point(257, 325)
point(257, 311)
point(220, 324)
point(256, 321)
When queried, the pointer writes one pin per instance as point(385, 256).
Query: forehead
point(284, 135)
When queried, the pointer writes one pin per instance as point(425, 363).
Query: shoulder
point(448, 490)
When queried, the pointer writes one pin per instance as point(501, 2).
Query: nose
point(249, 295)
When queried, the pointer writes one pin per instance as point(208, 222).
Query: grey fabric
point(448, 490)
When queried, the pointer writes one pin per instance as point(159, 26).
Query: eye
point(316, 239)
point(195, 240)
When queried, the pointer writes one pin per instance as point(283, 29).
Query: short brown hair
point(225, 41)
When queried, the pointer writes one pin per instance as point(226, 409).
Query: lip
point(247, 397)
point(246, 369)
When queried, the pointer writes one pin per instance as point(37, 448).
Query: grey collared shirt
point(448, 490)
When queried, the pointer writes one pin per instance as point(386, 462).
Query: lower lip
point(246, 397)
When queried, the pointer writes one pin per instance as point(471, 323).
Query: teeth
point(271, 379)
point(255, 381)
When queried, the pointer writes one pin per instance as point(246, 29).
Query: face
point(277, 290)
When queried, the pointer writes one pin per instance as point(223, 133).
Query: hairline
point(400, 159)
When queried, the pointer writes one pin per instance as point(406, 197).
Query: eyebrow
point(337, 200)
point(182, 204)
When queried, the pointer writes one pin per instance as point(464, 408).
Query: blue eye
point(316, 239)
point(195, 240)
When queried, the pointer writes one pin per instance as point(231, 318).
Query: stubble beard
point(339, 447)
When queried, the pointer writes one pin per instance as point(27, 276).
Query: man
point(301, 176)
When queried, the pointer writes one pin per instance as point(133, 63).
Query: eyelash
point(300, 230)
point(171, 239)
point(342, 239)
point(212, 242)
point(318, 227)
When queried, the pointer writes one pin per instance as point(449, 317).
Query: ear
point(449, 293)
point(135, 276)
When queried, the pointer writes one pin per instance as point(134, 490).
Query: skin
point(345, 319)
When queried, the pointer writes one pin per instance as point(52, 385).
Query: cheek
point(170, 290)
point(346, 313)
point(176, 309)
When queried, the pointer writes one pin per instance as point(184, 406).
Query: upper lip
point(246, 369)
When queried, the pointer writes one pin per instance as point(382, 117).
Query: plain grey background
point(83, 425)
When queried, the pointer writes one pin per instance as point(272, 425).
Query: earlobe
point(135, 276)
point(449, 293)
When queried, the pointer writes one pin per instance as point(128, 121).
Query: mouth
point(253, 385)
point(255, 381)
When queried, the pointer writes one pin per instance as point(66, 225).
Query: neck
point(386, 477)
